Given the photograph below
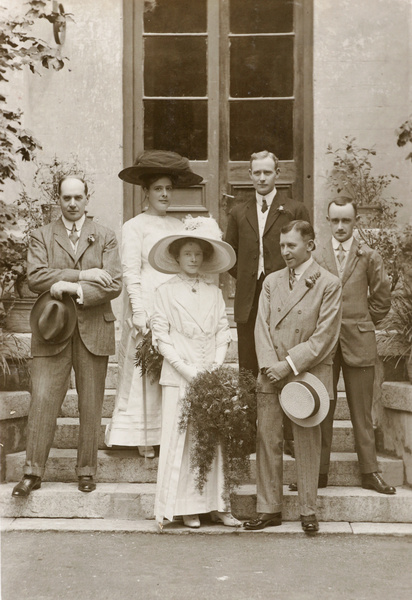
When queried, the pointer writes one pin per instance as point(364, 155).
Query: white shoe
point(191, 521)
point(146, 451)
point(226, 518)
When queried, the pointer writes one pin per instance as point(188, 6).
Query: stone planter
point(18, 314)
point(395, 368)
point(16, 379)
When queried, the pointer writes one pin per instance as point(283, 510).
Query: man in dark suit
point(253, 231)
point(366, 300)
point(297, 328)
point(78, 257)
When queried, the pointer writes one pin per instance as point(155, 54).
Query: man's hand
point(97, 276)
point(140, 323)
point(278, 371)
point(63, 287)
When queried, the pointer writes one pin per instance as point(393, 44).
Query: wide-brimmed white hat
point(200, 228)
point(305, 400)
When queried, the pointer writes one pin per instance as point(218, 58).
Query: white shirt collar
point(345, 245)
point(269, 197)
point(69, 224)
point(302, 268)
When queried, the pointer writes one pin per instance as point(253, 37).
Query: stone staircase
point(126, 482)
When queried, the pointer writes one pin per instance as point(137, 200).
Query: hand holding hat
point(53, 321)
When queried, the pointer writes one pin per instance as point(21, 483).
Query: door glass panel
point(175, 16)
point(260, 16)
point(175, 66)
point(261, 125)
point(177, 125)
point(261, 66)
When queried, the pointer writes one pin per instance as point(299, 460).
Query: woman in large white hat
point(191, 330)
point(136, 419)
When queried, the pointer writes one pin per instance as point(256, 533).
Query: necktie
point(264, 205)
point(341, 254)
point(74, 235)
point(292, 278)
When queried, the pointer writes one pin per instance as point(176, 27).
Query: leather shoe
point(86, 483)
point(309, 523)
point(262, 521)
point(289, 448)
point(26, 485)
point(373, 481)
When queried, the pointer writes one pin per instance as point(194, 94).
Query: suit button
point(299, 312)
point(296, 330)
point(279, 309)
point(276, 347)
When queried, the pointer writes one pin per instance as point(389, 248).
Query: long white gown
point(192, 332)
point(136, 419)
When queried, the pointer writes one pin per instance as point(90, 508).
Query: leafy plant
point(20, 49)
point(148, 358)
point(12, 249)
point(404, 134)
point(12, 349)
point(220, 406)
point(397, 328)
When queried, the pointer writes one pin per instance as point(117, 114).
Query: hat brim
point(37, 310)
point(182, 178)
point(222, 260)
point(324, 400)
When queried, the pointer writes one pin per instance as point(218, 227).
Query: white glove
point(140, 323)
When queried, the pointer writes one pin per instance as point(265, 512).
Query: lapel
point(251, 215)
point(87, 229)
point(328, 256)
point(289, 299)
point(61, 237)
point(351, 262)
point(274, 214)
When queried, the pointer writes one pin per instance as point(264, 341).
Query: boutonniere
point(281, 209)
point(359, 250)
point(310, 281)
point(91, 239)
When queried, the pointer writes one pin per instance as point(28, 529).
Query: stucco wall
point(362, 88)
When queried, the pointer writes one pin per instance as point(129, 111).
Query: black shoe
point(289, 448)
point(86, 483)
point(293, 487)
point(265, 520)
point(309, 524)
point(26, 485)
point(323, 480)
point(373, 481)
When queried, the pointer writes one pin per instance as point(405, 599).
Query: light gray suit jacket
point(303, 323)
point(51, 258)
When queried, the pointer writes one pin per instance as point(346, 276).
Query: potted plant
point(14, 351)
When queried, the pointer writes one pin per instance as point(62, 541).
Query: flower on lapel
point(91, 239)
point(310, 281)
point(359, 251)
point(281, 209)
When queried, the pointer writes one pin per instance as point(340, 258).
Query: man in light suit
point(366, 300)
point(74, 256)
point(253, 231)
point(297, 328)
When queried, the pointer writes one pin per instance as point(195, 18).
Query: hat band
point(315, 396)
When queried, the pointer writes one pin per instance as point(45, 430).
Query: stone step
point(132, 501)
point(69, 407)
point(117, 466)
point(67, 433)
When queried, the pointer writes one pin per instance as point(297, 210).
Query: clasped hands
point(95, 275)
point(278, 371)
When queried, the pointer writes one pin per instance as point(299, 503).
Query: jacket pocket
point(366, 326)
point(109, 316)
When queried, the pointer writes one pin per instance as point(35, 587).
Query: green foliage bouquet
point(148, 358)
point(220, 406)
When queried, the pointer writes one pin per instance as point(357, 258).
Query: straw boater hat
point(53, 321)
point(160, 162)
point(305, 400)
point(202, 228)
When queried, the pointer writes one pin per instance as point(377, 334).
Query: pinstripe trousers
point(50, 377)
point(269, 458)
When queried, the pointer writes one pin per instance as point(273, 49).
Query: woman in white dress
point(136, 419)
point(191, 330)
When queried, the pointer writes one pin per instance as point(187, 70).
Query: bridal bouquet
point(220, 406)
point(148, 358)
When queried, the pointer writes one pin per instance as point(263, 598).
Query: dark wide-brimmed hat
point(53, 321)
point(161, 162)
point(198, 228)
point(305, 400)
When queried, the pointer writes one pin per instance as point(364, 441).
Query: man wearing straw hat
point(297, 329)
point(74, 264)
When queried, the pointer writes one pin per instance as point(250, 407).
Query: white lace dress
point(136, 419)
